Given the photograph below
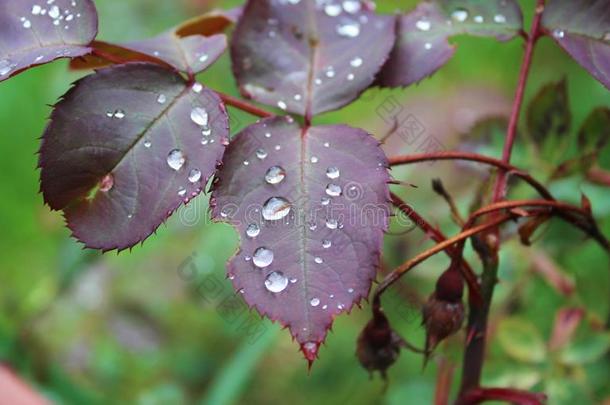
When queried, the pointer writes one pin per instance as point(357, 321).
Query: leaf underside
point(308, 58)
point(105, 155)
point(582, 29)
point(34, 32)
point(322, 267)
point(422, 45)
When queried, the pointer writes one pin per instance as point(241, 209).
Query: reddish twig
point(244, 105)
point(437, 236)
point(473, 157)
point(477, 318)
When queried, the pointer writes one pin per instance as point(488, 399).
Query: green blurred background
point(152, 326)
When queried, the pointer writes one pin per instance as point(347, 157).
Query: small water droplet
point(330, 72)
point(262, 257)
point(36, 9)
point(39, 58)
point(147, 143)
point(276, 208)
point(253, 230)
point(332, 223)
point(333, 190)
point(176, 159)
point(293, 280)
point(203, 57)
point(276, 282)
point(349, 30)
point(275, 174)
point(327, 144)
point(27, 24)
point(161, 99)
point(332, 10)
point(326, 243)
point(324, 306)
point(325, 201)
point(247, 258)
point(350, 290)
point(107, 183)
point(297, 97)
point(282, 105)
point(204, 141)
point(460, 15)
point(246, 162)
point(277, 147)
point(478, 19)
point(268, 135)
point(182, 191)
point(351, 6)
point(197, 87)
point(499, 18)
point(318, 81)
point(194, 175)
point(314, 302)
point(356, 62)
point(333, 172)
point(558, 33)
point(261, 154)
point(314, 159)
point(428, 45)
point(199, 116)
point(423, 25)
point(318, 260)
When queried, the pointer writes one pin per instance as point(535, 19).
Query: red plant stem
point(108, 56)
point(436, 235)
point(409, 264)
point(244, 105)
point(473, 157)
point(511, 131)
point(477, 318)
point(479, 395)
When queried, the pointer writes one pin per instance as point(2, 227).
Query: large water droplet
point(333, 172)
point(262, 257)
point(275, 174)
point(460, 15)
point(333, 190)
point(54, 12)
point(350, 30)
point(199, 116)
point(276, 282)
point(253, 230)
point(36, 9)
point(276, 208)
point(176, 159)
point(194, 175)
point(314, 302)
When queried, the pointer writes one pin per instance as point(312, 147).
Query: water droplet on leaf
point(276, 208)
point(275, 174)
point(176, 159)
point(276, 282)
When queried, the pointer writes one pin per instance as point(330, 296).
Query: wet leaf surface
point(310, 207)
point(127, 146)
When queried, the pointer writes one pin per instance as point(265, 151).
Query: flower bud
point(378, 345)
point(443, 313)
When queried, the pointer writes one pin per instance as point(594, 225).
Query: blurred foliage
point(154, 326)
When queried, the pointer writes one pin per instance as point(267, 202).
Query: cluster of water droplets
point(52, 11)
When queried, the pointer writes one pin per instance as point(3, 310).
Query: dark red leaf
point(112, 154)
point(582, 29)
point(308, 57)
point(310, 206)
point(35, 32)
point(422, 46)
point(213, 22)
point(192, 54)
